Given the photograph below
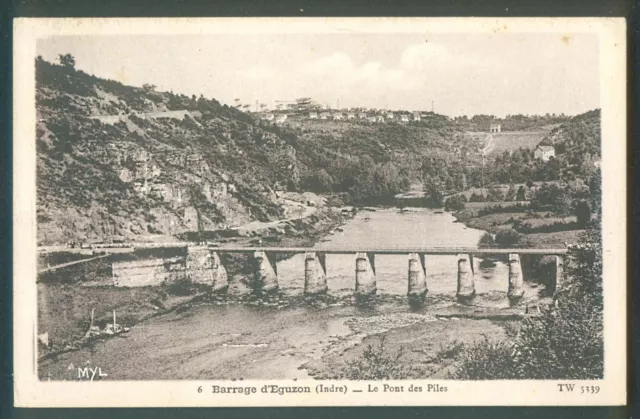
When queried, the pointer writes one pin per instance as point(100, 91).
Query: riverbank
point(288, 334)
point(65, 303)
point(241, 340)
point(535, 228)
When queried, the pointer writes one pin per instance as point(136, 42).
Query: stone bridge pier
point(466, 285)
point(266, 272)
point(203, 266)
point(417, 291)
point(365, 275)
point(315, 273)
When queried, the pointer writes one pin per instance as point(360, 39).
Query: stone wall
point(148, 272)
point(199, 265)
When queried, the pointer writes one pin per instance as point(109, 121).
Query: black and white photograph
point(398, 209)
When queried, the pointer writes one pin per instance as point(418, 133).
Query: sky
point(460, 74)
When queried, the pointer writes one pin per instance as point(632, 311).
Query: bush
point(476, 197)
point(507, 237)
point(583, 213)
point(486, 240)
point(455, 203)
point(376, 365)
point(487, 360)
point(495, 195)
point(553, 196)
point(564, 342)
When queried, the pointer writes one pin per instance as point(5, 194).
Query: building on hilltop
point(544, 152)
point(404, 118)
point(416, 116)
point(313, 115)
point(495, 128)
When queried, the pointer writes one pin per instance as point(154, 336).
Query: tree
point(486, 240)
point(455, 203)
point(495, 195)
point(67, 60)
point(149, 87)
point(583, 213)
point(319, 181)
point(507, 237)
point(520, 195)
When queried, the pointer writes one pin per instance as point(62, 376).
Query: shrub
point(521, 194)
point(495, 195)
point(564, 342)
point(486, 240)
point(553, 196)
point(455, 203)
point(476, 197)
point(487, 360)
point(507, 237)
point(583, 212)
point(375, 364)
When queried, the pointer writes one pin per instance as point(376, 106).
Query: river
point(239, 340)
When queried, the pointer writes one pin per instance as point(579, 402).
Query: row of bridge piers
point(315, 274)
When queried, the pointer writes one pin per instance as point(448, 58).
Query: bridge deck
point(444, 250)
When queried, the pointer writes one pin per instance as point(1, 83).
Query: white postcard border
point(30, 392)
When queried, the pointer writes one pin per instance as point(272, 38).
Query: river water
point(389, 227)
point(238, 340)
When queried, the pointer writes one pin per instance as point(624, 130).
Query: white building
point(269, 117)
point(544, 152)
point(351, 116)
point(404, 118)
point(324, 115)
point(281, 118)
point(416, 116)
point(494, 128)
point(313, 115)
point(338, 116)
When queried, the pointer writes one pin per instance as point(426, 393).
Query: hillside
point(499, 142)
point(578, 140)
point(123, 161)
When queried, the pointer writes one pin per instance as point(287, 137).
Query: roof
point(546, 148)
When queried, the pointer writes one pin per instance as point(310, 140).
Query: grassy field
point(531, 224)
point(511, 140)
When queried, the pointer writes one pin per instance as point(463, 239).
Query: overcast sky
point(496, 74)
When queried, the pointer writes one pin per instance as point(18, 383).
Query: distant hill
point(580, 136)
point(123, 161)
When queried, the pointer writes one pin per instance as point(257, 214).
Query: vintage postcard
point(311, 212)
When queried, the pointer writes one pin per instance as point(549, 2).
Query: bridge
point(202, 264)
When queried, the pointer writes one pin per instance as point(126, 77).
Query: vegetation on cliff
point(117, 160)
